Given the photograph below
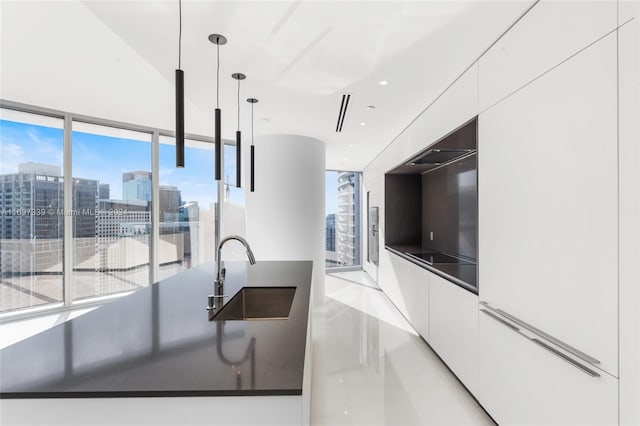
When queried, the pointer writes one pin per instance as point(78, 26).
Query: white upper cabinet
point(452, 109)
point(548, 34)
point(548, 203)
point(627, 9)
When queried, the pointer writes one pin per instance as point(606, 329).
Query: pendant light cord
point(218, 77)
point(180, 35)
point(238, 104)
point(251, 124)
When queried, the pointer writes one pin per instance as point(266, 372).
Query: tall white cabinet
point(553, 336)
point(549, 231)
point(548, 203)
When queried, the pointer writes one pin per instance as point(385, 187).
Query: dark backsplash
point(450, 208)
point(423, 195)
point(404, 209)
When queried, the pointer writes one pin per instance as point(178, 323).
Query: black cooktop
point(432, 258)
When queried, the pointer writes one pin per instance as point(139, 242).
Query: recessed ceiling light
point(363, 123)
point(265, 120)
point(383, 82)
point(351, 146)
point(370, 107)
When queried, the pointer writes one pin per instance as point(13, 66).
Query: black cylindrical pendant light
point(253, 158)
point(238, 76)
point(180, 100)
point(238, 159)
point(218, 40)
point(252, 101)
point(218, 138)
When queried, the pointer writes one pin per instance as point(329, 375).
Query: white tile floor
point(371, 368)
point(369, 365)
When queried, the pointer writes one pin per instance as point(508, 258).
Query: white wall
point(286, 213)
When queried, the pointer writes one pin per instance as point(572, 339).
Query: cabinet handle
point(542, 344)
point(575, 352)
point(497, 318)
point(559, 354)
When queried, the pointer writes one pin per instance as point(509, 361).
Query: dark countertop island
point(159, 341)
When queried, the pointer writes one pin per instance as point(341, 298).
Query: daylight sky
point(106, 158)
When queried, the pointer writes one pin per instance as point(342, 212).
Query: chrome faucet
point(218, 284)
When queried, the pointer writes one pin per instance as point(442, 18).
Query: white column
point(285, 214)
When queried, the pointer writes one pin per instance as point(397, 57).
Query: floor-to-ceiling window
point(234, 214)
point(31, 204)
point(112, 187)
point(188, 198)
point(343, 222)
point(124, 217)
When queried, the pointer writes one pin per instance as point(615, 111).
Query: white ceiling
point(299, 57)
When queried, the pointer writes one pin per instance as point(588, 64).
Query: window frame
point(360, 265)
point(68, 118)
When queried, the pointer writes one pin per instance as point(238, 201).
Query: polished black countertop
point(159, 341)
point(464, 275)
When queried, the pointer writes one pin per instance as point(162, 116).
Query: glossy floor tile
point(371, 368)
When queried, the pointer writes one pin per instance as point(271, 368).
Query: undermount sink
point(258, 303)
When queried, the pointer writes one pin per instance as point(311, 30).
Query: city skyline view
point(43, 144)
point(111, 209)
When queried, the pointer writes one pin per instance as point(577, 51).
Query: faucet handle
point(223, 273)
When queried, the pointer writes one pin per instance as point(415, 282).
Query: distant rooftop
point(41, 168)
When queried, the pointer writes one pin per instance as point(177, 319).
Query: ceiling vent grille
point(343, 111)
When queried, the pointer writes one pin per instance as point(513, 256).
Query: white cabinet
point(547, 35)
point(629, 193)
point(453, 328)
point(455, 107)
point(411, 295)
point(418, 304)
point(548, 204)
point(627, 9)
point(524, 383)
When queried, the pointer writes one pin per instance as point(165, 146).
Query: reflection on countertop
point(159, 341)
point(463, 273)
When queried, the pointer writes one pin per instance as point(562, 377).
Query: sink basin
point(258, 303)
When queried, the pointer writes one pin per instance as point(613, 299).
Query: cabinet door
point(453, 328)
point(411, 295)
point(547, 35)
point(522, 383)
point(548, 206)
point(454, 107)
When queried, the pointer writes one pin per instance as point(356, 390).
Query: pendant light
point(218, 40)
point(180, 100)
point(252, 101)
point(238, 76)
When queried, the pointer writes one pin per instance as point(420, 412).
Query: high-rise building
point(136, 186)
point(347, 222)
point(170, 202)
point(104, 191)
point(85, 193)
point(330, 232)
point(32, 203)
point(32, 219)
point(41, 168)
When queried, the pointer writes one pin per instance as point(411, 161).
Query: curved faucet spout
point(218, 286)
